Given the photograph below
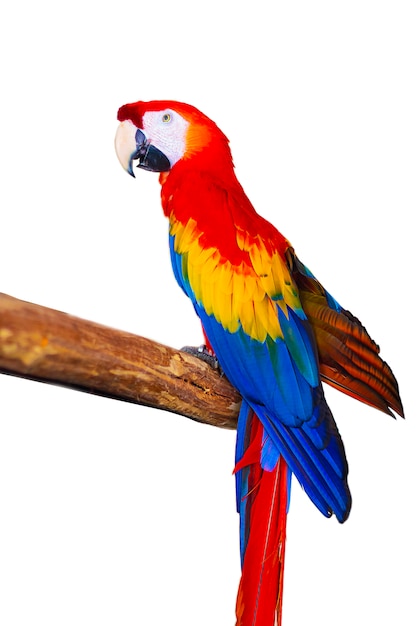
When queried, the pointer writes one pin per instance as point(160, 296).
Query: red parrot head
point(161, 133)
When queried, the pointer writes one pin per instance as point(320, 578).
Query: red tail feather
point(259, 600)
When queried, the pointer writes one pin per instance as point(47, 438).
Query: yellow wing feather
point(245, 295)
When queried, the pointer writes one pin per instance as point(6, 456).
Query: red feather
point(259, 599)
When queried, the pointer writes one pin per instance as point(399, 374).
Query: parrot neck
point(213, 207)
point(191, 182)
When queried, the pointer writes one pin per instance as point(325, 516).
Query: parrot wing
point(349, 359)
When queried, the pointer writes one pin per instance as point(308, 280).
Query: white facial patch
point(167, 131)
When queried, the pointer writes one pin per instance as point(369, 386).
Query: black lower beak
point(150, 158)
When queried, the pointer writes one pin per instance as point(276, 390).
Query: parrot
point(276, 333)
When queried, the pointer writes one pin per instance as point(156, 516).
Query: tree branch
point(42, 344)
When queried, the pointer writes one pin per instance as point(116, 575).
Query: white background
point(117, 514)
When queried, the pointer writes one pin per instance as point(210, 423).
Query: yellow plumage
point(245, 295)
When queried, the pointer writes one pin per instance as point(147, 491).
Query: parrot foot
point(206, 355)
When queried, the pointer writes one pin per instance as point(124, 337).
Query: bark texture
point(42, 344)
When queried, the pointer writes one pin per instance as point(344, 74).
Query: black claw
point(201, 352)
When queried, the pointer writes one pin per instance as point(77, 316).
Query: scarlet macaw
point(276, 332)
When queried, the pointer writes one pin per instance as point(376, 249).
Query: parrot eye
point(166, 118)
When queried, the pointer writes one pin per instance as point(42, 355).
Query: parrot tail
point(262, 498)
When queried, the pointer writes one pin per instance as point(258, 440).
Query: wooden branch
point(42, 344)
